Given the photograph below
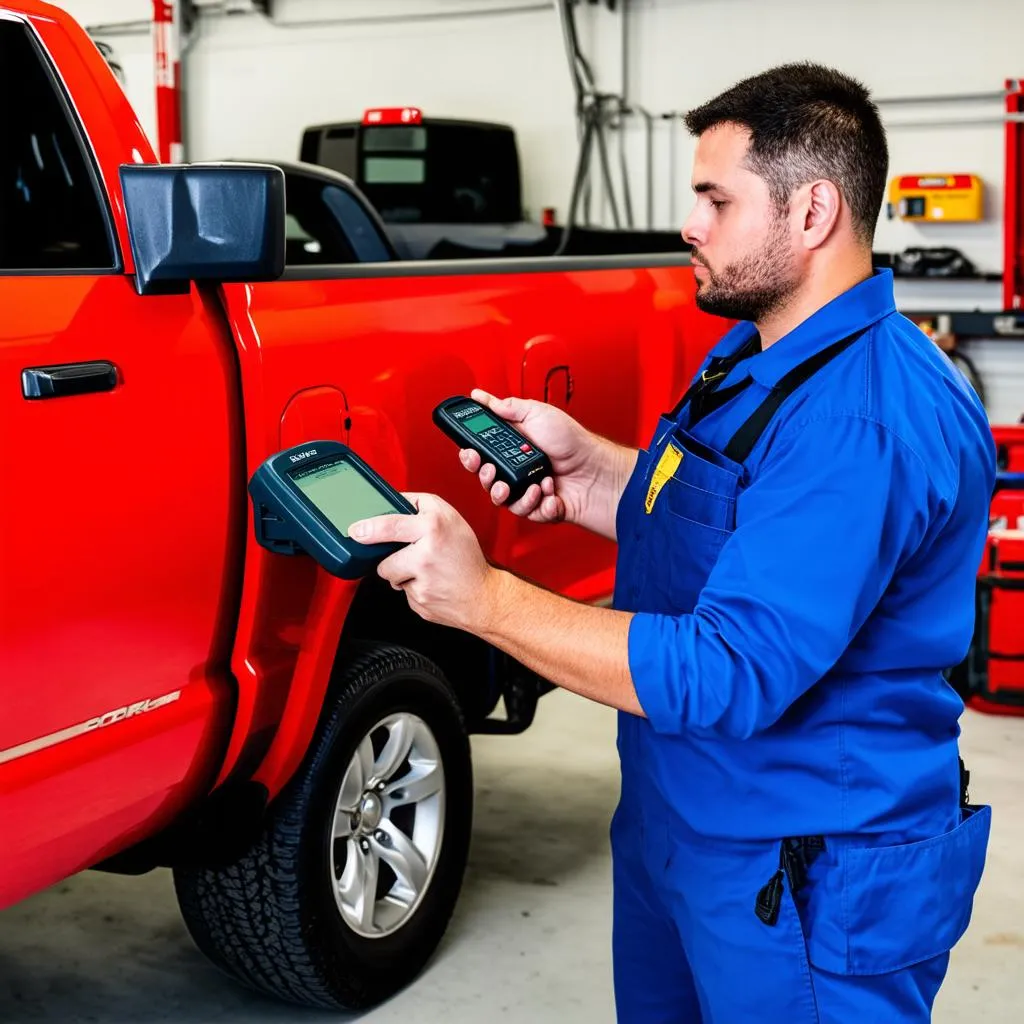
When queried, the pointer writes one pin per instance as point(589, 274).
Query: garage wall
point(254, 85)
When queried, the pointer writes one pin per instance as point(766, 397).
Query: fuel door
point(547, 375)
point(318, 412)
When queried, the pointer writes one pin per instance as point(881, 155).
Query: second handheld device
point(517, 461)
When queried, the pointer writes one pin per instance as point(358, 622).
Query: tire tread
point(246, 917)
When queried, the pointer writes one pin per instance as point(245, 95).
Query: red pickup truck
point(293, 745)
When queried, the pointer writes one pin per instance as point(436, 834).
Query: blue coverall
point(792, 842)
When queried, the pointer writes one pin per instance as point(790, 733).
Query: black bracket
point(272, 532)
point(521, 692)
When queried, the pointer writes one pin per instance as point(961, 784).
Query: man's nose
point(693, 230)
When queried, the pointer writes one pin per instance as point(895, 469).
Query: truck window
point(312, 235)
point(51, 215)
point(327, 225)
point(441, 173)
point(363, 234)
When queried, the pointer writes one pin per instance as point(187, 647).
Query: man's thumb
point(512, 409)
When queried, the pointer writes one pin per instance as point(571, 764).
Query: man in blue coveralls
point(797, 552)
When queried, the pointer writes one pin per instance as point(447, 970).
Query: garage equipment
point(517, 462)
point(1009, 439)
point(1013, 215)
point(1008, 321)
point(597, 111)
point(936, 197)
point(991, 678)
point(306, 498)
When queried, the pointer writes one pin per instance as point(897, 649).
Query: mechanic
point(797, 552)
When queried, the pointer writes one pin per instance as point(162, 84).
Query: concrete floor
point(530, 939)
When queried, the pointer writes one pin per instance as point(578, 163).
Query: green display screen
point(479, 423)
point(342, 494)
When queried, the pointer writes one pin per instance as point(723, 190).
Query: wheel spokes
point(425, 780)
point(405, 779)
point(357, 776)
point(396, 749)
point(397, 850)
point(357, 887)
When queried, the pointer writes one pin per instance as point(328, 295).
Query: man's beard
point(754, 286)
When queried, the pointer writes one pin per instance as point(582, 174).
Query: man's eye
point(717, 203)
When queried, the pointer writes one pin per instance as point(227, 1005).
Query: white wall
point(253, 86)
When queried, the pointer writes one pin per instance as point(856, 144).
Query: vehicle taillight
point(393, 115)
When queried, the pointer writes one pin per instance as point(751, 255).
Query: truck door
point(122, 495)
point(581, 353)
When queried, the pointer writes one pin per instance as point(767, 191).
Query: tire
point(274, 920)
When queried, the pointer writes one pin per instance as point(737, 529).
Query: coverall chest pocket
point(703, 486)
point(693, 516)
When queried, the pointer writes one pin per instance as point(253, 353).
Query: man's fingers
point(499, 493)
point(553, 507)
point(400, 528)
point(550, 510)
point(423, 502)
point(512, 409)
point(394, 528)
point(481, 396)
point(470, 459)
point(528, 502)
point(487, 475)
point(396, 569)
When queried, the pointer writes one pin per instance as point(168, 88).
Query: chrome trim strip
point(90, 725)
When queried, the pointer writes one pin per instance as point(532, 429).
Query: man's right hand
point(589, 472)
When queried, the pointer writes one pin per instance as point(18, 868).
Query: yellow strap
point(669, 462)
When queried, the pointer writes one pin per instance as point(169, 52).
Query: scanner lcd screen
point(342, 494)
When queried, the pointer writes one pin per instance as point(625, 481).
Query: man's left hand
point(442, 570)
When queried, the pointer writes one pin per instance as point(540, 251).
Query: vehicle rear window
point(395, 170)
point(441, 173)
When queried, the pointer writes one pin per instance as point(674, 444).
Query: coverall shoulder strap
point(718, 368)
point(743, 441)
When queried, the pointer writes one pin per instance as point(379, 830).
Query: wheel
point(349, 889)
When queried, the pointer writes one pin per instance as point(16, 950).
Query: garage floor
point(529, 941)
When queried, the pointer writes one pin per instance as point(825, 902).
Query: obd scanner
point(306, 498)
point(517, 461)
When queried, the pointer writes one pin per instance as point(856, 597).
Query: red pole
point(167, 51)
point(1013, 186)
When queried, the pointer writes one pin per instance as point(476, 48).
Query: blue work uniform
point(793, 840)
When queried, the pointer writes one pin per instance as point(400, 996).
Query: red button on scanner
point(525, 448)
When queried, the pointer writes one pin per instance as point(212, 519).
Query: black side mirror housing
point(204, 222)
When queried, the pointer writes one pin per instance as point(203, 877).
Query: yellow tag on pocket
point(667, 465)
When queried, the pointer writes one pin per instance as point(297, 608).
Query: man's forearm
point(579, 647)
point(611, 465)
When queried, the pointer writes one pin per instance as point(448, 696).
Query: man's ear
point(820, 204)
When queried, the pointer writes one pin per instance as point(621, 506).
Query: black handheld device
point(305, 499)
point(517, 461)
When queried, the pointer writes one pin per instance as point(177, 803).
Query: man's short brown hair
point(808, 122)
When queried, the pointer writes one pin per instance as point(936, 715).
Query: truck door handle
point(68, 379)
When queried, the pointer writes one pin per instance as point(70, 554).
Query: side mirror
point(204, 222)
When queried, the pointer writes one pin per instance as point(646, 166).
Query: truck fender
point(292, 612)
